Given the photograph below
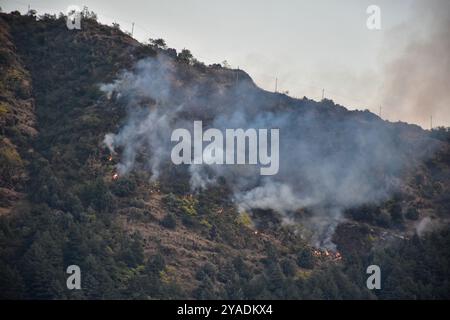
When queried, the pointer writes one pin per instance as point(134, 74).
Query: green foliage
point(86, 14)
point(410, 277)
point(244, 219)
point(207, 270)
point(175, 179)
point(11, 164)
point(396, 213)
point(71, 210)
point(97, 195)
point(158, 43)
point(412, 214)
point(5, 57)
point(188, 205)
point(155, 264)
point(181, 205)
point(305, 258)
point(185, 56)
point(3, 109)
point(124, 187)
point(289, 267)
point(441, 133)
point(169, 221)
point(367, 213)
point(132, 253)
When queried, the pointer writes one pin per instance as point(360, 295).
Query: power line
point(149, 33)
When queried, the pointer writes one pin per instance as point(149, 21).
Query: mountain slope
point(135, 237)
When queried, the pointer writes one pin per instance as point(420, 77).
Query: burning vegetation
point(327, 254)
point(228, 263)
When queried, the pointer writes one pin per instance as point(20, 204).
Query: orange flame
point(333, 255)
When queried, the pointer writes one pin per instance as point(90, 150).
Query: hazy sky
point(307, 45)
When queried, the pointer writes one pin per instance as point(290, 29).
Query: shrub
point(244, 219)
point(123, 187)
point(158, 43)
point(305, 259)
point(169, 221)
point(396, 213)
point(185, 56)
point(412, 214)
point(11, 164)
point(288, 266)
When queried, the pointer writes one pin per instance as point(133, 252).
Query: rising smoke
point(330, 159)
point(416, 77)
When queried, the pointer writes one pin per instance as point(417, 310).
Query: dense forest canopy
point(137, 237)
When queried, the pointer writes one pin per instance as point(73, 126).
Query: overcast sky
point(307, 45)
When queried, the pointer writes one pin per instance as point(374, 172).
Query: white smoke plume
point(330, 158)
point(416, 77)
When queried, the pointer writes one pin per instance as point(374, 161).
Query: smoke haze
point(416, 77)
point(330, 158)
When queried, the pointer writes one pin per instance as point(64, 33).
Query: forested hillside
point(136, 237)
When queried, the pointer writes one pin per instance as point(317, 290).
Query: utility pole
point(431, 122)
point(276, 84)
point(132, 29)
point(323, 94)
